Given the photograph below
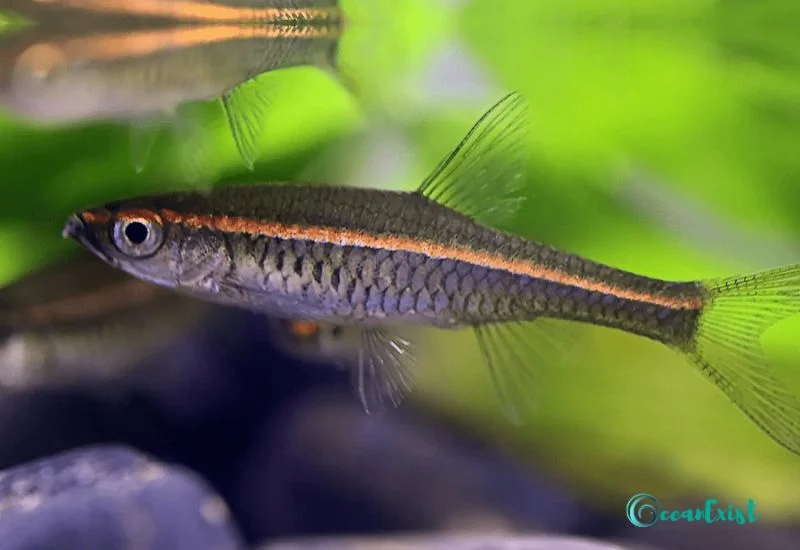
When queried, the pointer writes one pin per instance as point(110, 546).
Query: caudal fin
point(727, 347)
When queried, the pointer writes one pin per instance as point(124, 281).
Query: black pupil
point(136, 232)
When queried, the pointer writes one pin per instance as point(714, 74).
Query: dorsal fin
point(483, 176)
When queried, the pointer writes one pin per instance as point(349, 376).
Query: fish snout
point(86, 233)
point(75, 228)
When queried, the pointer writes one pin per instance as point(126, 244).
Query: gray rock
point(108, 498)
point(543, 542)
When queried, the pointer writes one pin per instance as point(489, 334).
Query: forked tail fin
point(727, 347)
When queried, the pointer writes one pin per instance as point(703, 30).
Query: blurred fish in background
point(77, 319)
point(140, 62)
point(79, 323)
point(315, 342)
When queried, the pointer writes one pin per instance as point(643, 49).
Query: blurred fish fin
point(727, 347)
point(197, 166)
point(245, 109)
point(332, 65)
point(483, 177)
point(383, 375)
point(143, 134)
point(328, 60)
point(514, 351)
point(359, 46)
point(205, 261)
point(330, 57)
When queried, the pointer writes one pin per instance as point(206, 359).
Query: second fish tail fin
point(727, 349)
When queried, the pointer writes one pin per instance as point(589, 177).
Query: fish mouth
point(76, 228)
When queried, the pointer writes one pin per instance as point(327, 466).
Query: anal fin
point(384, 371)
point(513, 352)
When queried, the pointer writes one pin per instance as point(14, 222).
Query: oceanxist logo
point(644, 510)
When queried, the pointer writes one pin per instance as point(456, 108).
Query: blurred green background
point(665, 138)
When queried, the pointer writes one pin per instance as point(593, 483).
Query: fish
point(402, 265)
point(80, 319)
point(144, 71)
point(264, 11)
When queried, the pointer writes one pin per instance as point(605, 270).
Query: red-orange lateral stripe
point(349, 237)
point(194, 10)
point(44, 56)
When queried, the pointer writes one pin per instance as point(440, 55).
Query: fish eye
point(136, 232)
point(138, 236)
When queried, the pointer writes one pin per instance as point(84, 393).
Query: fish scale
point(352, 284)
